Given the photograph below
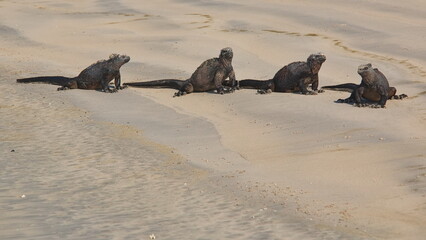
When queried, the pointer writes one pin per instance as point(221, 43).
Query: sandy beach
point(83, 164)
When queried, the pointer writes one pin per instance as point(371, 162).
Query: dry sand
point(89, 165)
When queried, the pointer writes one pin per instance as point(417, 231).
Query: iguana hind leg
point(186, 89)
point(69, 85)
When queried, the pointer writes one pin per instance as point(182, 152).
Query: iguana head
point(119, 59)
point(364, 68)
point(226, 53)
point(315, 61)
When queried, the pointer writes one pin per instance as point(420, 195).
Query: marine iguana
point(294, 77)
point(210, 75)
point(374, 87)
point(96, 76)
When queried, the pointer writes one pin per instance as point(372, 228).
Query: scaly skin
point(374, 87)
point(294, 77)
point(210, 75)
point(96, 76)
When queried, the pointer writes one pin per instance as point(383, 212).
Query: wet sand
point(206, 166)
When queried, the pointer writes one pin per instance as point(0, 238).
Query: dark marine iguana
point(294, 77)
point(210, 75)
point(374, 87)
point(96, 76)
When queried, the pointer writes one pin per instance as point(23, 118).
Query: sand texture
point(90, 165)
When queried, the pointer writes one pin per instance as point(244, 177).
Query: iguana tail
point(256, 84)
point(346, 87)
point(163, 83)
point(55, 80)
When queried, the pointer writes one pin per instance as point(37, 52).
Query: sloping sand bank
point(208, 166)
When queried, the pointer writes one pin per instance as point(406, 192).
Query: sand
point(88, 165)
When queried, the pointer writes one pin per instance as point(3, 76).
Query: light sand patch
point(264, 157)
